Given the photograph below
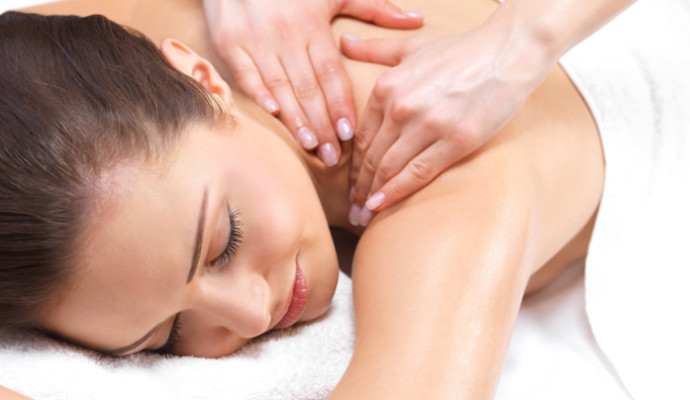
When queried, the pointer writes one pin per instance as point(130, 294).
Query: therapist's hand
point(444, 99)
point(283, 55)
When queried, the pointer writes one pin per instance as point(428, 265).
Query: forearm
point(555, 26)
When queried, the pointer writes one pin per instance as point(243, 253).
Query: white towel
point(635, 76)
point(302, 363)
point(552, 356)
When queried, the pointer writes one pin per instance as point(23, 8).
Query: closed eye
point(174, 335)
point(234, 240)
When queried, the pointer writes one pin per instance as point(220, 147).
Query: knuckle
point(465, 133)
point(327, 68)
point(276, 82)
point(383, 86)
point(401, 110)
point(420, 169)
point(395, 191)
point(369, 163)
point(307, 89)
point(223, 38)
point(361, 142)
point(386, 170)
point(358, 197)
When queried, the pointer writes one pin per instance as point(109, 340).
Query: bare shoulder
point(543, 173)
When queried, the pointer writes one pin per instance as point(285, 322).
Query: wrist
point(525, 51)
point(530, 33)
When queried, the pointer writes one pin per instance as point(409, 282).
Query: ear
point(188, 62)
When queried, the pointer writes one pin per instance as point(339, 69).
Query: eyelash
point(169, 346)
point(234, 240)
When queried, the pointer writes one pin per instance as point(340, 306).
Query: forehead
point(131, 257)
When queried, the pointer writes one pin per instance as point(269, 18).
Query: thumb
point(382, 13)
point(380, 51)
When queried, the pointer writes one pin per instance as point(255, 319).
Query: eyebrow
point(198, 240)
point(199, 236)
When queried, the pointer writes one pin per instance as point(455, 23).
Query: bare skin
point(439, 278)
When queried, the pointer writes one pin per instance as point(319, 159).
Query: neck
point(331, 183)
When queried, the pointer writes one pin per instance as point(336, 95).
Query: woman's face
point(212, 240)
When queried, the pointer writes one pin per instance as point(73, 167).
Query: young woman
point(142, 211)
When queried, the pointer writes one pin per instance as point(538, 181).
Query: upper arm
point(437, 282)
point(438, 278)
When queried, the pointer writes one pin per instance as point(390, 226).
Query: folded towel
point(634, 76)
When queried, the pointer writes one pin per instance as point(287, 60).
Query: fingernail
point(365, 216)
point(270, 105)
point(328, 155)
point(307, 138)
point(413, 14)
point(352, 192)
point(351, 37)
point(354, 215)
point(344, 128)
point(375, 201)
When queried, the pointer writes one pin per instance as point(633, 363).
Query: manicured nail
point(344, 128)
point(413, 14)
point(365, 216)
point(307, 138)
point(354, 215)
point(328, 155)
point(351, 37)
point(270, 105)
point(375, 201)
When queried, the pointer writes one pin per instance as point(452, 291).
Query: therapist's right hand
point(444, 98)
point(283, 55)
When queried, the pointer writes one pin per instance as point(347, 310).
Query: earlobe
point(190, 63)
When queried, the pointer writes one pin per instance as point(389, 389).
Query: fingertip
point(365, 216)
point(353, 216)
point(270, 105)
point(375, 201)
point(307, 138)
point(350, 37)
point(344, 129)
point(328, 154)
point(413, 14)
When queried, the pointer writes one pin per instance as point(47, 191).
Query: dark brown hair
point(77, 95)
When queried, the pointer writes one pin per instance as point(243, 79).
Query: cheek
point(275, 197)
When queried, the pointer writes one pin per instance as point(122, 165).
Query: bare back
point(439, 277)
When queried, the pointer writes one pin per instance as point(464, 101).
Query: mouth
point(297, 300)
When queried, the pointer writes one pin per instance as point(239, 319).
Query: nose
point(241, 304)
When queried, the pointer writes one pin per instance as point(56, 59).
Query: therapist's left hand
point(447, 97)
point(282, 54)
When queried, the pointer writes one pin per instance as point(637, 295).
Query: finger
point(380, 51)
point(400, 153)
point(417, 174)
point(335, 84)
point(291, 114)
point(382, 13)
point(384, 139)
point(248, 78)
point(369, 125)
point(310, 97)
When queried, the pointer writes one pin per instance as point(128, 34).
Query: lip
point(297, 300)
